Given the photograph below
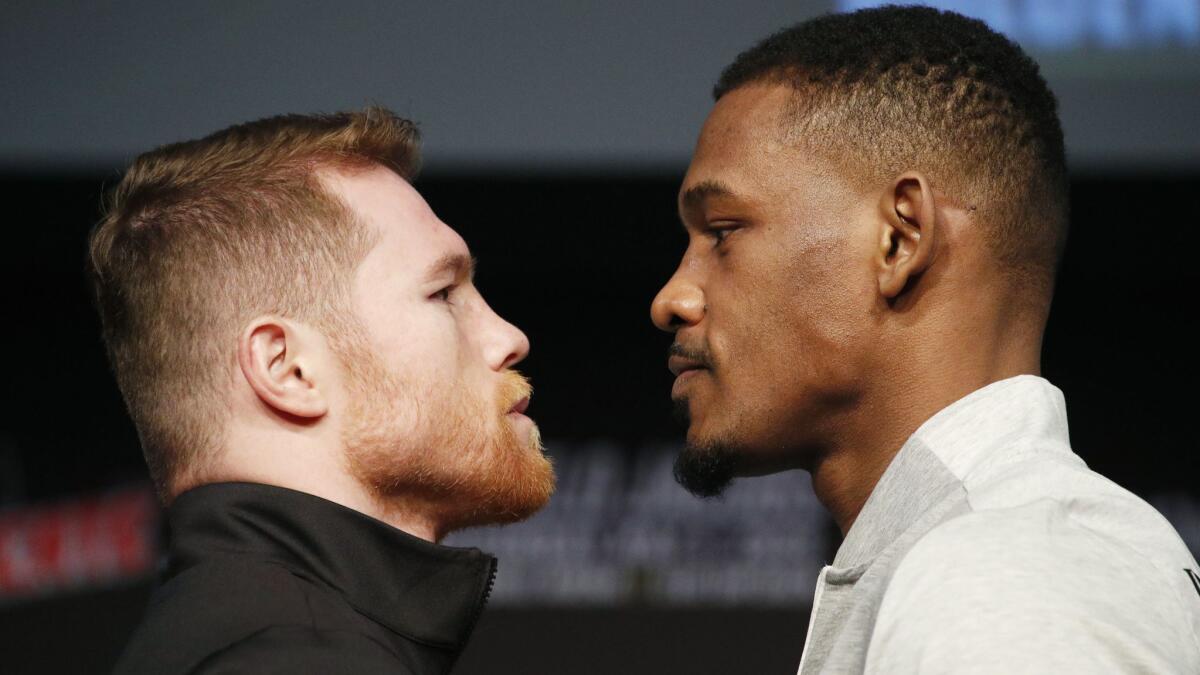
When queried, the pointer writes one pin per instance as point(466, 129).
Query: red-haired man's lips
point(516, 416)
point(520, 406)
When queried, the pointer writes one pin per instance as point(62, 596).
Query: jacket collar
point(429, 593)
point(998, 423)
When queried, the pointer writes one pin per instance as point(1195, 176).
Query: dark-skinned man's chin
point(705, 470)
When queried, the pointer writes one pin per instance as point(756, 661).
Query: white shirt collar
point(993, 424)
point(1000, 419)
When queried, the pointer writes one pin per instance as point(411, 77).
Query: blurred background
point(556, 134)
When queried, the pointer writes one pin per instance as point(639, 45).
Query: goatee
point(705, 471)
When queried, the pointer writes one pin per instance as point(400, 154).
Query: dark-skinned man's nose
point(679, 303)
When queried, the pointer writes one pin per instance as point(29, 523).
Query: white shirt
point(988, 546)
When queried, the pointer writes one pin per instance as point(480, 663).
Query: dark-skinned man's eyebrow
point(695, 195)
point(457, 263)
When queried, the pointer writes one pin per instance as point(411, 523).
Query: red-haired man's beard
point(450, 455)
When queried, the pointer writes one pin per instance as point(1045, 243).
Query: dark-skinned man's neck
point(844, 476)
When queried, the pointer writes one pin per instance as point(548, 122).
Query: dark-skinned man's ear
point(272, 359)
point(909, 233)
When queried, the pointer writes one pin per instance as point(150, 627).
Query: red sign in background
point(84, 542)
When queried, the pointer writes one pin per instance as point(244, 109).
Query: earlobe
point(273, 360)
point(909, 233)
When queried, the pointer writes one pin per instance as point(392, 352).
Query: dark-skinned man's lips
point(687, 364)
point(681, 358)
point(686, 370)
point(678, 365)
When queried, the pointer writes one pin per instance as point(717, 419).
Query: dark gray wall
point(538, 83)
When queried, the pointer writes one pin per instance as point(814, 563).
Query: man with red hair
point(321, 393)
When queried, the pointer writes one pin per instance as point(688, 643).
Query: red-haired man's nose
point(507, 346)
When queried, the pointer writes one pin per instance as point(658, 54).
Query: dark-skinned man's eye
point(719, 235)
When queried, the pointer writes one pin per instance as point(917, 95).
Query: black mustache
point(702, 358)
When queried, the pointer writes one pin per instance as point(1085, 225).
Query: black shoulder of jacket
point(292, 650)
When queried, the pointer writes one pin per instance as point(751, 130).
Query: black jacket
point(262, 579)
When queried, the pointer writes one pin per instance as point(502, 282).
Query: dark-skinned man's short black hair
point(880, 91)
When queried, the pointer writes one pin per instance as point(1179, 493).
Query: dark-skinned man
point(875, 210)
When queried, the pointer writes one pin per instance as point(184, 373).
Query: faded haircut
point(200, 237)
point(880, 91)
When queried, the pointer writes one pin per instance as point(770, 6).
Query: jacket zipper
point(487, 592)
